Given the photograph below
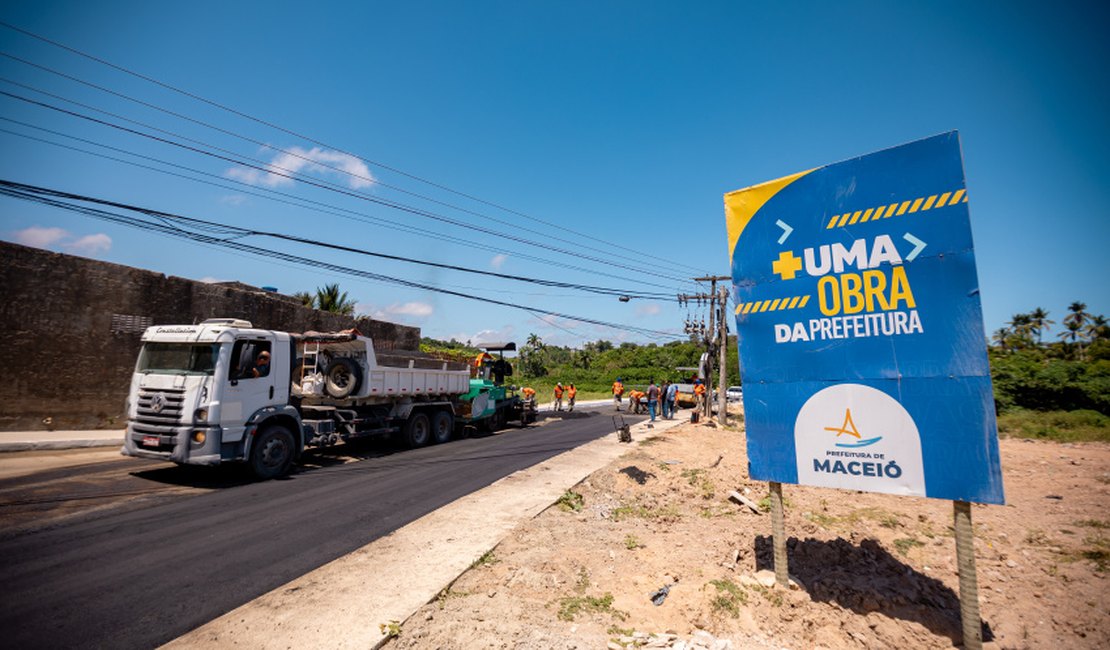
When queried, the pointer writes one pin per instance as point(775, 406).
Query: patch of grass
point(691, 475)
point(571, 501)
point(632, 543)
point(486, 559)
point(583, 582)
point(1058, 426)
point(650, 440)
point(1036, 537)
point(712, 512)
point(698, 478)
point(1096, 549)
point(1092, 523)
point(620, 631)
point(391, 629)
point(819, 518)
point(730, 596)
point(447, 594)
point(772, 596)
point(852, 519)
point(904, 544)
point(637, 511)
point(571, 606)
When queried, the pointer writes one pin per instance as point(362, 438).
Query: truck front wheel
point(272, 452)
point(418, 431)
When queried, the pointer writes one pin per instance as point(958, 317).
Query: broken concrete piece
point(743, 500)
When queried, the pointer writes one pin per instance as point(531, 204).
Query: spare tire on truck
point(342, 377)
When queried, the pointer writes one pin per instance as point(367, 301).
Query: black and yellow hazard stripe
point(897, 209)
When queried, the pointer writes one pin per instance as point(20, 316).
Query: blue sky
point(611, 124)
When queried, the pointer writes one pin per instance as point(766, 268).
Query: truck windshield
point(179, 358)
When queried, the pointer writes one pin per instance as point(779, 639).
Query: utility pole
point(718, 330)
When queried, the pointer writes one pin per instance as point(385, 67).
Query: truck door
point(250, 385)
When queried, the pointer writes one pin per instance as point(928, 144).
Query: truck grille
point(158, 410)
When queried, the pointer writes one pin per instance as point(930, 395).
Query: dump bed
point(344, 365)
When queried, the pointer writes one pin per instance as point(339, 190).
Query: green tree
point(306, 298)
point(1098, 329)
point(330, 299)
point(1021, 331)
point(1039, 322)
point(1075, 325)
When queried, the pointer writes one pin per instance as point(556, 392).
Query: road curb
point(38, 445)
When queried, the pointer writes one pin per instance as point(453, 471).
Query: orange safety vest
point(558, 392)
point(528, 392)
point(571, 392)
point(635, 395)
point(699, 389)
point(618, 388)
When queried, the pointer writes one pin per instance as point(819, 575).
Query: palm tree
point(534, 341)
point(1001, 337)
point(306, 298)
point(1098, 329)
point(330, 299)
point(1076, 322)
point(1021, 330)
point(1038, 322)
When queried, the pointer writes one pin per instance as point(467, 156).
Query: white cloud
point(233, 199)
point(484, 336)
point(298, 159)
point(649, 309)
point(404, 312)
point(498, 260)
point(420, 309)
point(40, 237)
point(90, 244)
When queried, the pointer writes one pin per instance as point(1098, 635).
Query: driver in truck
point(261, 365)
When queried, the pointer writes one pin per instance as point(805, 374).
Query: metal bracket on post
point(778, 535)
point(969, 582)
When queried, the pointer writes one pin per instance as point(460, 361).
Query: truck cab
point(199, 392)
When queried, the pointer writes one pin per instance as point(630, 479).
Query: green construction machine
point(493, 404)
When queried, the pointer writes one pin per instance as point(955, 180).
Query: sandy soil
point(876, 571)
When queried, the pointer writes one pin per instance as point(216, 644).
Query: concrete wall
point(71, 331)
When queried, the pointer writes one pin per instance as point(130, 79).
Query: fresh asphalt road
point(139, 578)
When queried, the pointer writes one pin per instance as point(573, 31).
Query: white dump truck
point(224, 391)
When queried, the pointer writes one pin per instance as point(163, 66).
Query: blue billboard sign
point(862, 349)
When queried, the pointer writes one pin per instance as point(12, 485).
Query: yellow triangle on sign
point(741, 205)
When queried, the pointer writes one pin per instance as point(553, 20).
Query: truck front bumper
point(175, 444)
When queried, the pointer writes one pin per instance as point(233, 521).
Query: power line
point(259, 143)
point(314, 141)
point(269, 169)
point(299, 202)
point(225, 236)
point(237, 232)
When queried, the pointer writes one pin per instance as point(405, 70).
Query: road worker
point(618, 390)
point(558, 397)
point(571, 393)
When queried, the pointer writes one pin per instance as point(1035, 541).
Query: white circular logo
point(857, 437)
point(157, 402)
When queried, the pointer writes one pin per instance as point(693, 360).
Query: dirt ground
point(876, 571)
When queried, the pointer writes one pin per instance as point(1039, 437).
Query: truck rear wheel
point(271, 452)
point(443, 425)
point(418, 430)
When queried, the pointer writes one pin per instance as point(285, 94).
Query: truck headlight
point(201, 415)
point(199, 437)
